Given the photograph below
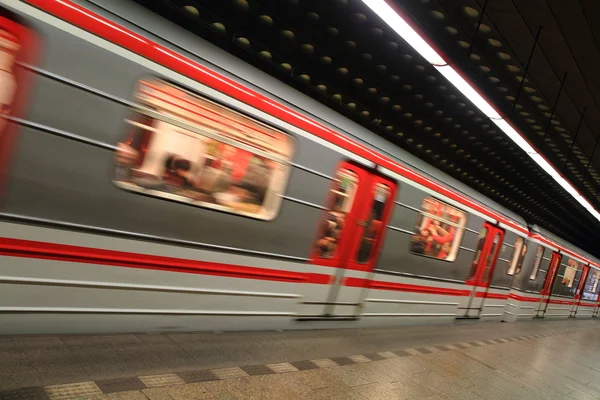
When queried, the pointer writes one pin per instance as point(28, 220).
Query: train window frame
point(461, 227)
point(515, 263)
point(537, 262)
point(212, 131)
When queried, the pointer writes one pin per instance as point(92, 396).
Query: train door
point(488, 247)
point(548, 283)
point(579, 292)
point(351, 233)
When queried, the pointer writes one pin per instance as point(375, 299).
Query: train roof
point(563, 243)
point(260, 81)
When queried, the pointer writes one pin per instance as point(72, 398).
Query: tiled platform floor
point(538, 360)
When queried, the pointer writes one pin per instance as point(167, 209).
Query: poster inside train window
point(590, 289)
point(438, 231)
point(518, 255)
point(568, 277)
point(183, 147)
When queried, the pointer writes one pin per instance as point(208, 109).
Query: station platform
point(528, 360)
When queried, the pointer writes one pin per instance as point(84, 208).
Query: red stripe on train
point(524, 298)
point(565, 302)
point(588, 304)
point(100, 26)
point(68, 253)
point(497, 296)
point(404, 287)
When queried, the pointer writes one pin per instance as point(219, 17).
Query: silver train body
point(82, 254)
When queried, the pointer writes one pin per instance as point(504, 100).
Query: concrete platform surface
point(533, 360)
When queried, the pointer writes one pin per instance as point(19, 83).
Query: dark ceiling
point(343, 55)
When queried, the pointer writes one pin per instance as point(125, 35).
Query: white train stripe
point(423, 302)
point(132, 286)
point(92, 310)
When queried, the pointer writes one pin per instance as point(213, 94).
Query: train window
point(9, 47)
point(373, 229)
point(590, 289)
point(341, 198)
point(185, 148)
point(539, 254)
point(570, 272)
point(439, 229)
point(516, 260)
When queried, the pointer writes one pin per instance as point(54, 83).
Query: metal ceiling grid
point(341, 54)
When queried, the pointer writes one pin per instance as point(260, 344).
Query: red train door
point(546, 291)
point(488, 248)
point(351, 232)
point(580, 288)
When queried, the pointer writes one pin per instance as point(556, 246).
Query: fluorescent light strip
point(568, 187)
point(467, 90)
point(402, 28)
point(420, 45)
point(514, 135)
point(546, 166)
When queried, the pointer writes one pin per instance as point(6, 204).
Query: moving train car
point(152, 182)
point(558, 283)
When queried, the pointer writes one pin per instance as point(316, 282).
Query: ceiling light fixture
point(467, 90)
point(402, 27)
point(406, 32)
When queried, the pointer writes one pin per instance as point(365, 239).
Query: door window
point(374, 226)
point(491, 257)
point(480, 243)
point(552, 272)
point(341, 199)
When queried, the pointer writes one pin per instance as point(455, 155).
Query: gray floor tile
point(120, 385)
point(36, 393)
point(254, 370)
point(342, 360)
point(304, 365)
point(375, 357)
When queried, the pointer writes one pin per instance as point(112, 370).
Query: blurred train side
point(59, 192)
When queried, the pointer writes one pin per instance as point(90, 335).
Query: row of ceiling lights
point(528, 89)
point(398, 24)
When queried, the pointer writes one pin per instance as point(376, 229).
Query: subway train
point(150, 181)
